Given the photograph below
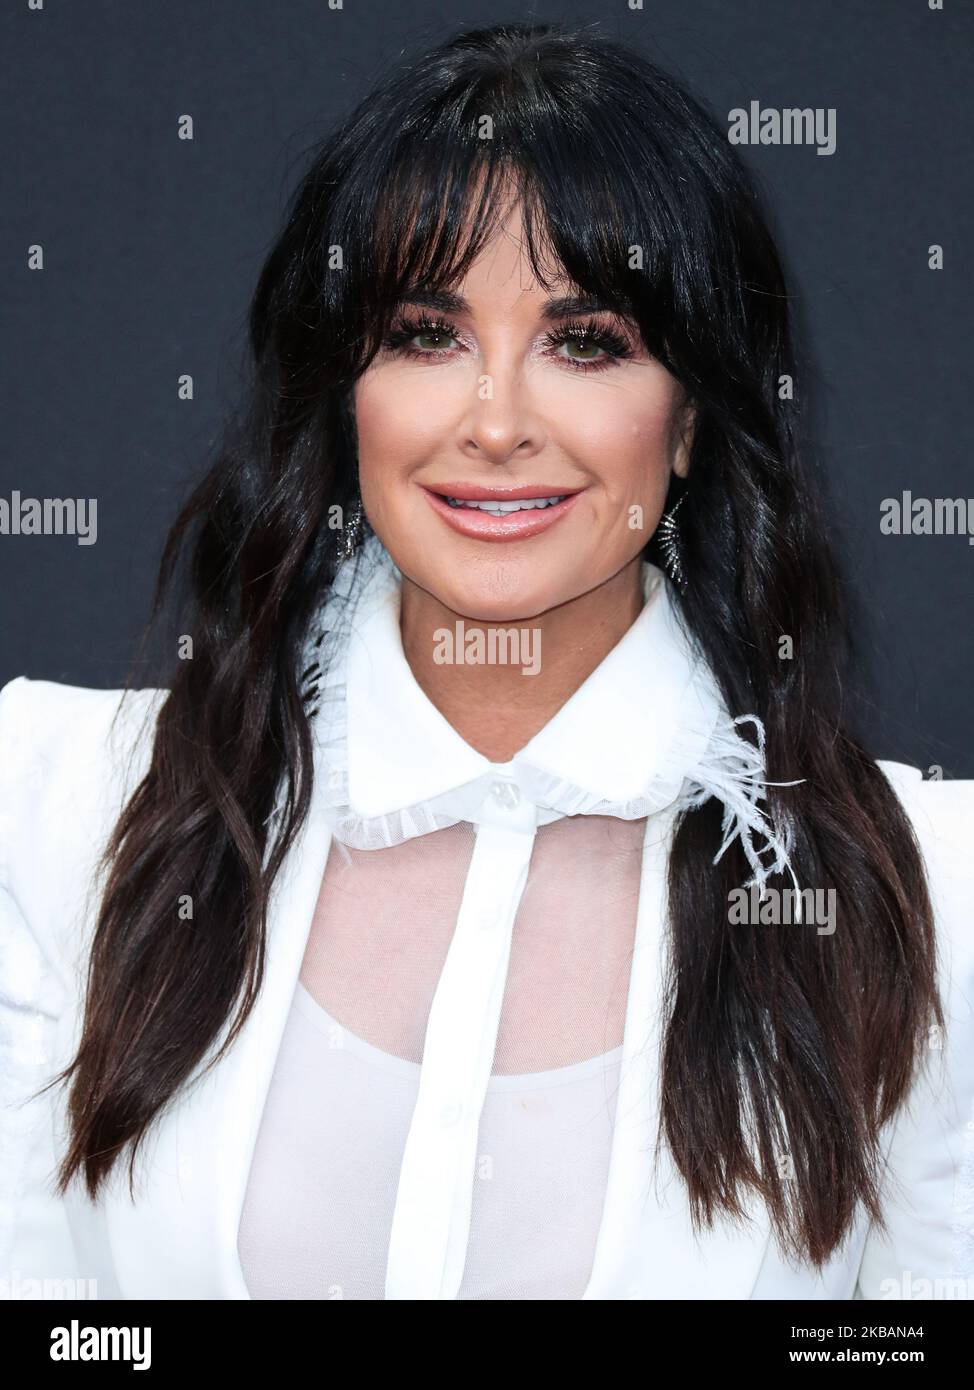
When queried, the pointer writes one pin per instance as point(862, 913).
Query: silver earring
point(672, 546)
point(352, 530)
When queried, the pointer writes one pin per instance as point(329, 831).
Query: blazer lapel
point(219, 1122)
point(646, 1247)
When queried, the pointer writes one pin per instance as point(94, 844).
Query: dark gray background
point(152, 246)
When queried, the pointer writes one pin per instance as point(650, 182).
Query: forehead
point(502, 275)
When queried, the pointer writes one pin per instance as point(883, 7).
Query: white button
point(451, 1113)
point(506, 794)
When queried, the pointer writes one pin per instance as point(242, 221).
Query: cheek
point(625, 438)
point(397, 420)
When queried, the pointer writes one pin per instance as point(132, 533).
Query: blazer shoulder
point(941, 810)
point(56, 723)
point(68, 756)
point(942, 815)
point(44, 708)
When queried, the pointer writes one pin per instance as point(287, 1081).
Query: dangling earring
point(672, 546)
point(352, 530)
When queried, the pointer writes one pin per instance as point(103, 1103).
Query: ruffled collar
point(647, 730)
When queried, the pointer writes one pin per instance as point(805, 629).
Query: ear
point(685, 426)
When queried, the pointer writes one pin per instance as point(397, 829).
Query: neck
point(479, 678)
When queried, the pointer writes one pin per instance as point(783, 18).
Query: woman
point(493, 903)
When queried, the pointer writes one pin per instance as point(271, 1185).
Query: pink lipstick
point(501, 513)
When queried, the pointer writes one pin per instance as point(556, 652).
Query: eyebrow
point(565, 306)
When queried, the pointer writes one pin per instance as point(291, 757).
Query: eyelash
point(600, 335)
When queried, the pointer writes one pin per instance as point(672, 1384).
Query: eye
point(610, 345)
point(405, 330)
point(607, 341)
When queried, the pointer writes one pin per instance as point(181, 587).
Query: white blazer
point(62, 785)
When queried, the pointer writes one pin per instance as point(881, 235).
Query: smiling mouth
point(503, 513)
point(496, 508)
point(503, 500)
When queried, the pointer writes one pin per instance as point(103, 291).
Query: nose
point(502, 420)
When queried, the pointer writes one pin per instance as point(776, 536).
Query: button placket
point(451, 1113)
point(431, 1220)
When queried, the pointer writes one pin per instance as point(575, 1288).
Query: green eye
point(580, 342)
point(434, 333)
point(598, 344)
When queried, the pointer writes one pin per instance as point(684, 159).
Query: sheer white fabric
point(323, 1181)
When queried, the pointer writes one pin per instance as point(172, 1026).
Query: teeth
point(502, 508)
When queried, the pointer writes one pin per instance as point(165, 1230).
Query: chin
point(495, 590)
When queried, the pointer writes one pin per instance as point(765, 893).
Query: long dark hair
point(779, 1041)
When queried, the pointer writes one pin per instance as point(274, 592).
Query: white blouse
point(475, 925)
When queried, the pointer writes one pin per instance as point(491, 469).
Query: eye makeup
point(597, 333)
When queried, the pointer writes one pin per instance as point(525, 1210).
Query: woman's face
point(488, 400)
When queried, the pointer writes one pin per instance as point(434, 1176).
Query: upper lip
point(468, 492)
